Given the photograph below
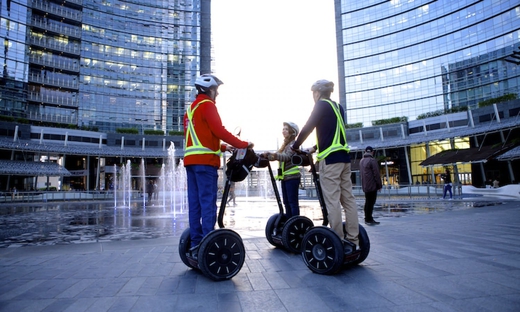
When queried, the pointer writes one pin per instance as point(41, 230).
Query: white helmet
point(205, 82)
point(293, 126)
point(323, 86)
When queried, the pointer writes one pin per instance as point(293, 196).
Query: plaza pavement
point(452, 260)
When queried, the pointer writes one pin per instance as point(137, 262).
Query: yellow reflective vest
point(338, 135)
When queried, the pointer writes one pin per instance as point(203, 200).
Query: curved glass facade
point(405, 58)
point(100, 64)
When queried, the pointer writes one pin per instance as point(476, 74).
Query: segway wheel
point(322, 250)
point(364, 246)
point(184, 248)
point(221, 254)
point(293, 231)
point(272, 229)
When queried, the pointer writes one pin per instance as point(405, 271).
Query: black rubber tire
point(270, 228)
point(184, 247)
point(221, 254)
point(293, 231)
point(364, 246)
point(322, 250)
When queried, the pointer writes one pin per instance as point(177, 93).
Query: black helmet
point(323, 86)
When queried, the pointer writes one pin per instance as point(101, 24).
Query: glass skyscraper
point(403, 58)
point(102, 64)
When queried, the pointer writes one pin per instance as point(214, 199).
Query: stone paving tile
point(450, 260)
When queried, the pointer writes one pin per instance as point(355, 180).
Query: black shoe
point(194, 252)
point(349, 247)
point(373, 222)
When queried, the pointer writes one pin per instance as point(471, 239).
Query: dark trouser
point(290, 197)
point(370, 201)
point(447, 188)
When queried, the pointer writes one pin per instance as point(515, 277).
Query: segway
point(323, 251)
point(221, 253)
point(283, 232)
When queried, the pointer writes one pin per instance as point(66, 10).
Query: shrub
point(389, 121)
point(354, 125)
point(127, 130)
point(503, 98)
point(175, 132)
point(441, 112)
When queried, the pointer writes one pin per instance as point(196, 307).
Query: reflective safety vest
point(196, 148)
point(283, 172)
point(340, 133)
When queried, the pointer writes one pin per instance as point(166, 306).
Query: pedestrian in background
point(232, 196)
point(370, 182)
point(447, 184)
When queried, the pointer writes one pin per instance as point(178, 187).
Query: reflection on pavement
point(73, 223)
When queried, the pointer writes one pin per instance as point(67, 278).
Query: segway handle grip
point(301, 159)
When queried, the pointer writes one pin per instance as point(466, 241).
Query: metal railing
point(49, 196)
point(58, 28)
point(47, 6)
point(401, 191)
point(55, 45)
point(54, 99)
point(410, 191)
point(70, 83)
point(70, 65)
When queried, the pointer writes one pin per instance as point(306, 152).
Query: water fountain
point(143, 181)
point(123, 185)
point(173, 182)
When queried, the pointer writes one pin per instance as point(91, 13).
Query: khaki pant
point(337, 191)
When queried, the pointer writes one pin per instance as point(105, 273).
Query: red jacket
point(210, 131)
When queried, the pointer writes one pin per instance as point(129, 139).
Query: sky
point(268, 54)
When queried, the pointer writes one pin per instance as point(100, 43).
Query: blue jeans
point(447, 188)
point(290, 197)
point(202, 200)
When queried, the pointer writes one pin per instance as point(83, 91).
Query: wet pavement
point(83, 222)
point(426, 255)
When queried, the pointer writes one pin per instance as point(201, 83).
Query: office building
point(406, 58)
point(102, 65)
point(77, 70)
point(411, 60)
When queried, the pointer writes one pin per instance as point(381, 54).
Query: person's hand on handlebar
point(269, 156)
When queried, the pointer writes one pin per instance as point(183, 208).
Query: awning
point(32, 168)
point(467, 155)
point(512, 154)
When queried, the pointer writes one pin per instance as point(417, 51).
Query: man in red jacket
point(204, 132)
